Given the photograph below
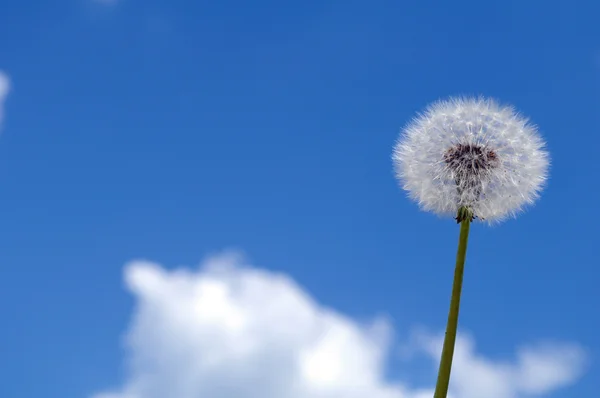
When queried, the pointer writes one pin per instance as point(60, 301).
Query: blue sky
point(174, 131)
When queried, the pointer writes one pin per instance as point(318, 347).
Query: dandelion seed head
point(475, 153)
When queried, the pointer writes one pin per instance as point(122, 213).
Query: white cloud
point(537, 369)
point(228, 330)
point(4, 89)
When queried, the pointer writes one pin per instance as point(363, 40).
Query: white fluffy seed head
point(473, 153)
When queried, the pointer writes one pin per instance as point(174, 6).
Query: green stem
point(443, 380)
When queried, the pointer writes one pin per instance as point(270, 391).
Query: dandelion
point(471, 159)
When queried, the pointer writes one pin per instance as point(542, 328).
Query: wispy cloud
point(228, 330)
point(536, 369)
point(4, 90)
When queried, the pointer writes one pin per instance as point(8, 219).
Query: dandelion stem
point(443, 380)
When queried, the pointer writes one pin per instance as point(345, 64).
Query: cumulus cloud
point(230, 330)
point(4, 89)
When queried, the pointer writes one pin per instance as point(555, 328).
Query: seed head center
point(470, 158)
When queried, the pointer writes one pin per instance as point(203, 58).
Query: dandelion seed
point(473, 153)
